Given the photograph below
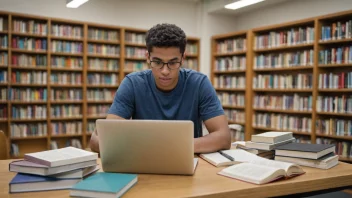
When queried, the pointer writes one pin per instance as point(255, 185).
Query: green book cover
point(106, 182)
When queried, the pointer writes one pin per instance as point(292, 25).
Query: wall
point(290, 11)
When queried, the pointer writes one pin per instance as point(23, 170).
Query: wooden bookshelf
point(88, 58)
point(257, 56)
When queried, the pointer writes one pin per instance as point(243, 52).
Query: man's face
point(166, 79)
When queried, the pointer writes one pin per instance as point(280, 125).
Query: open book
point(260, 171)
point(228, 157)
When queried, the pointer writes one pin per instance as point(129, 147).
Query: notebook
point(24, 166)
point(29, 183)
point(104, 185)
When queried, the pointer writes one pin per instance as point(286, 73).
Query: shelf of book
point(233, 107)
point(29, 51)
point(346, 137)
point(65, 135)
point(348, 65)
point(283, 69)
point(36, 68)
point(318, 50)
point(28, 138)
point(230, 72)
point(283, 111)
point(67, 69)
point(335, 114)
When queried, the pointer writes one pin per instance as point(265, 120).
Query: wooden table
point(206, 183)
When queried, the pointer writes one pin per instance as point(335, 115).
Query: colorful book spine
point(135, 52)
point(100, 94)
point(137, 38)
point(187, 64)
point(231, 99)
point(33, 77)
point(66, 62)
point(230, 63)
point(24, 60)
point(3, 76)
point(102, 79)
point(69, 128)
point(334, 104)
point(4, 42)
point(132, 66)
point(225, 81)
point(3, 94)
point(101, 34)
point(335, 80)
point(191, 49)
point(282, 122)
point(66, 111)
point(285, 102)
point(342, 148)
point(231, 45)
point(28, 94)
point(66, 94)
point(235, 115)
point(337, 30)
point(31, 44)
point(283, 81)
point(29, 130)
point(102, 49)
point(98, 110)
point(67, 47)
point(60, 30)
point(66, 78)
point(29, 112)
point(3, 58)
point(339, 55)
point(30, 26)
point(334, 126)
point(284, 60)
point(103, 64)
point(293, 36)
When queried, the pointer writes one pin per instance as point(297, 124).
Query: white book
point(272, 137)
point(261, 171)
point(228, 157)
point(23, 166)
point(60, 157)
point(266, 146)
point(325, 162)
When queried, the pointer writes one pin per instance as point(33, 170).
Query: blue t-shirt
point(193, 98)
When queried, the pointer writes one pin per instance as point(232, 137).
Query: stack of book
point(263, 144)
point(52, 170)
point(312, 155)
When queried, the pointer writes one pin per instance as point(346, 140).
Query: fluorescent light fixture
point(75, 3)
point(241, 3)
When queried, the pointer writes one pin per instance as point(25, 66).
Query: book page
point(253, 173)
point(240, 155)
point(290, 169)
point(67, 153)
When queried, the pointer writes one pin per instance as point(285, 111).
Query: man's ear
point(147, 55)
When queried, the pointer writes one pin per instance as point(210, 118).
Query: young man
point(168, 92)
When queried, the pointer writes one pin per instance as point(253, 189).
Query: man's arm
point(218, 138)
point(94, 141)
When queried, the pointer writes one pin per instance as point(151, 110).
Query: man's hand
point(218, 138)
point(94, 141)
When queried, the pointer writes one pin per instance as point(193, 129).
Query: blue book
point(30, 183)
point(104, 185)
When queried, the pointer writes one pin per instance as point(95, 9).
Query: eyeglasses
point(160, 64)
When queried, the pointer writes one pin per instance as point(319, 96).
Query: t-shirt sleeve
point(210, 105)
point(123, 104)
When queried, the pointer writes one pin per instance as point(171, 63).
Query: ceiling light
point(241, 3)
point(75, 3)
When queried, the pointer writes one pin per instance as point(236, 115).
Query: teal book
point(104, 185)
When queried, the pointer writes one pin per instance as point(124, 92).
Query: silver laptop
point(146, 146)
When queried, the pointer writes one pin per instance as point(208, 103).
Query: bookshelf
point(230, 72)
point(334, 71)
point(302, 84)
point(58, 76)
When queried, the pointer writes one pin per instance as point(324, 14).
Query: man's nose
point(165, 70)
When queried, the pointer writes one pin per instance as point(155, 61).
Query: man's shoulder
point(140, 75)
point(193, 75)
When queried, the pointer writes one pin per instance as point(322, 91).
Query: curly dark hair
point(166, 35)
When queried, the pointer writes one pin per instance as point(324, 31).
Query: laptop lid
point(146, 146)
